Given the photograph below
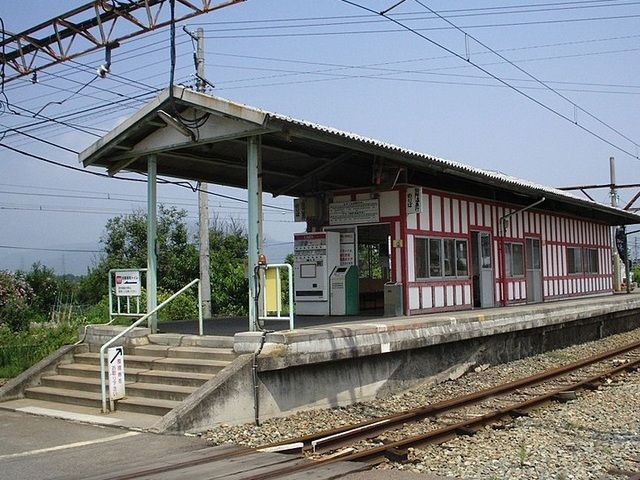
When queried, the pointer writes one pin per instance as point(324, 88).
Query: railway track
point(436, 423)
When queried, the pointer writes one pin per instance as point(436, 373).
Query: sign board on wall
point(347, 249)
point(128, 283)
point(414, 200)
point(115, 356)
point(351, 213)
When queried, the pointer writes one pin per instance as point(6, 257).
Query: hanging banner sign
point(115, 363)
point(350, 213)
point(128, 283)
point(414, 200)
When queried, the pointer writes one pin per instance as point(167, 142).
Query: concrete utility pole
point(203, 195)
point(614, 203)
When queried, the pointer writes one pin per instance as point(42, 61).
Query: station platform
point(323, 362)
point(338, 361)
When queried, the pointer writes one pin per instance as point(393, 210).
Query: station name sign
point(350, 213)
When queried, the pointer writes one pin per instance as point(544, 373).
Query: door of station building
point(374, 265)
point(483, 278)
point(534, 271)
point(368, 247)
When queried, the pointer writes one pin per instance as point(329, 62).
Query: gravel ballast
point(595, 436)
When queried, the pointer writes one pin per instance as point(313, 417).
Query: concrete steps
point(141, 362)
point(158, 376)
point(201, 353)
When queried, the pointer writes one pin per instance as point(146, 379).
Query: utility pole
point(614, 203)
point(203, 195)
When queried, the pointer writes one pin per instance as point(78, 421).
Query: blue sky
point(332, 63)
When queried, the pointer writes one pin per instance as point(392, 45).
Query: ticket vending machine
point(344, 291)
point(316, 255)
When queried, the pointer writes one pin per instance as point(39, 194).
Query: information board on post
point(115, 356)
point(128, 283)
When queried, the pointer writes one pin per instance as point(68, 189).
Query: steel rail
point(378, 454)
point(332, 438)
point(375, 426)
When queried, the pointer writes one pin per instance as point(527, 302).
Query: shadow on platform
point(229, 326)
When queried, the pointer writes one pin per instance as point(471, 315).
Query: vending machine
point(316, 255)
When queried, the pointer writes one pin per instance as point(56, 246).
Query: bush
point(44, 284)
point(15, 296)
point(183, 307)
point(20, 350)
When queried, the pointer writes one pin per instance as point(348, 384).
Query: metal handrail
point(103, 385)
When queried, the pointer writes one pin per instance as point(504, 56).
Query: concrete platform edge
point(315, 345)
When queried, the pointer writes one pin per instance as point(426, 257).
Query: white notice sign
point(351, 213)
point(414, 200)
point(128, 283)
point(115, 364)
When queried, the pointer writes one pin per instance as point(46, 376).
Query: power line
point(71, 250)
point(116, 198)
point(416, 16)
point(495, 77)
point(425, 29)
point(531, 76)
point(96, 211)
point(490, 10)
point(104, 175)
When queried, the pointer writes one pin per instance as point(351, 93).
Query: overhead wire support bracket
point(90, 27)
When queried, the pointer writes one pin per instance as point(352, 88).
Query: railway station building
point(426, 234)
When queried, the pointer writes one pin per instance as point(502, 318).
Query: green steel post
point(152, 240)
point(254, 199)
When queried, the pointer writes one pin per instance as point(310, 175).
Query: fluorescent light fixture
point(173, 122)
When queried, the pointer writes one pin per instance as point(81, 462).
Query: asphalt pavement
point(35, 447)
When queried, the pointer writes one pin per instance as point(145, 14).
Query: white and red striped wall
point(446, 215)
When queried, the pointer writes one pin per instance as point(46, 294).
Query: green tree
point(228, 246)
point(125, 246)
point(45, 286)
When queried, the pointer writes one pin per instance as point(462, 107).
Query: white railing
point(278, 315)
point(103, 384)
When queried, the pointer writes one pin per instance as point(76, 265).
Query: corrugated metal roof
point(493, 175)
point(274, 121)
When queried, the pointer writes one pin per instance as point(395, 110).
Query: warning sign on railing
point(115, 364)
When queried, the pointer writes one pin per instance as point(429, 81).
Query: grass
point(20, 350)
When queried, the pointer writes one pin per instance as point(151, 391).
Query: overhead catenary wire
point(499, 79)
point(454, 13)
point(223, 87)
point(139, 180)
point(424, 29)
point(530, 75)
point(43, 249)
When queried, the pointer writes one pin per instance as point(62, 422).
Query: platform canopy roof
point(301, 158)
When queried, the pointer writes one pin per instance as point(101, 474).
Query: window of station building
point(422, 254)
point(591, 260)
point(435, 257)
point(574, 260)
point(462, 268)
point(441, 257)
point(514, 259)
